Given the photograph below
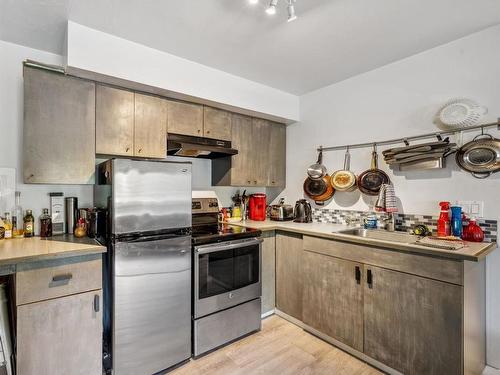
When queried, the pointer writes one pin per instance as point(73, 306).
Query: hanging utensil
point(481, 156)
point(320, 199)
point(318, 170)
point(344, 179)
point(370, 181)
point(314, 187)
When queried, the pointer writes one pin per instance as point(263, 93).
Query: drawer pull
point(369, 279)
point(60, 280)
point(357, 274)
point(96, 303)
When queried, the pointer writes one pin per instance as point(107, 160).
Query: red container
point(257, 207)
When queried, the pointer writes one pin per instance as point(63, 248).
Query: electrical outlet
point(472, 208)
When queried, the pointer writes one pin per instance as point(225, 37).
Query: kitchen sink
point(380, 234)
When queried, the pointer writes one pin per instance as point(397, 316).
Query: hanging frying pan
point(344, 179)
point(481, 156)
point(319, 190)
point(318, 170)
point(315, 187)
point(370, 181)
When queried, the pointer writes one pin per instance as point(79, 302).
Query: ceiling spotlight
point(271, 9)
point(291, 11)
point(253, 2)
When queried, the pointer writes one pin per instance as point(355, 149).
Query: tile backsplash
point(403, 222)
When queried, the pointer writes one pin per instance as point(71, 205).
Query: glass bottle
point(7, 225)
point(17, 218)
point(45, 224)
point(29, 224)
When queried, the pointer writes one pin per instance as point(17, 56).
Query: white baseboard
point(491, 371)
point(267, 313)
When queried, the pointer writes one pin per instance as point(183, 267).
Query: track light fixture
point(273, 6)
point(271, 9)
point(291, 11)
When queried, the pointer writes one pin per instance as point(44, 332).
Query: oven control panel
point(204, 205)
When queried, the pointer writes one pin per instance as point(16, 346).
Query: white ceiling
point(332, 39)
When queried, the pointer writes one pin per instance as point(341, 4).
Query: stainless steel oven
point(227, 290)
point(226, 274)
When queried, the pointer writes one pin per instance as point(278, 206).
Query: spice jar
point(45, 224)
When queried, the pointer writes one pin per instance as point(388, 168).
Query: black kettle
point(303, 212)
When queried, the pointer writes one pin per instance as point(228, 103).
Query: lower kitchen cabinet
point(413, 313)
point(333, 298)
point(268, 271)
point(289, 274)
point(60, 336)
point(59, 323)
point(412, 324)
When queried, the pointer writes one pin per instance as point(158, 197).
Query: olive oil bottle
point(29, 224)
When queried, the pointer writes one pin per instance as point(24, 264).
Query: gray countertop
point(473, 251)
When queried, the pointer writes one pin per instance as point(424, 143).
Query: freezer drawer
point(152, 305)
point(225, 326)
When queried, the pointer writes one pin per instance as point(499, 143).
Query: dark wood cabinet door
point(289, 274)
point(150, 131)
point(114, 121)
point(412, 324)
point(332, 300)
point(185, 118)
point(276, 169)
point(59, 129)
point(216, 123)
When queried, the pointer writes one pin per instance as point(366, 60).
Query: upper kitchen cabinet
point(130, 124)
point(276, 172)
point(114, 118)
point(59, 128)
point(260, 161)
point(185, 118)
point(150, 126)
point(217, 123)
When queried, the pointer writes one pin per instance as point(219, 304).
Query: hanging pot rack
point(406, 140)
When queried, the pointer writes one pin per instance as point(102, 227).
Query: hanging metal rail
point(406, 140)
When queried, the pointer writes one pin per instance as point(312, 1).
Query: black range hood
point(198, 147)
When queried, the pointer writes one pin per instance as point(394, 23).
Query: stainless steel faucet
point(389, 222)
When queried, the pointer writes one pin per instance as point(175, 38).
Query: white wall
point(11, 125)
point(107, 54)
point(398, 100)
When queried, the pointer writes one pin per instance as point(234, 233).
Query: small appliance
point(303, 212)
point(257, 207)
point(281, 211)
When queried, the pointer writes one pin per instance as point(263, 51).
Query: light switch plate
point(472, 208)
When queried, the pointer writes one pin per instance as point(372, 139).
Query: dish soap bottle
point(443, 224)
point(456, 221)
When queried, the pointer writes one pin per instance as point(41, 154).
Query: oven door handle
point(228, 246)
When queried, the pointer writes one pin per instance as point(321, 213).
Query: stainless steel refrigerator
point(147, 269)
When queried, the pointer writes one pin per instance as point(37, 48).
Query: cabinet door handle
point(369, 278)
point(139, 151)
point(60, 280)
point(96, 303)
point(357, 273)
point(208, 131)
point(126, 150)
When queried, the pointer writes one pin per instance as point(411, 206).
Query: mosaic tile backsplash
point(403, 222)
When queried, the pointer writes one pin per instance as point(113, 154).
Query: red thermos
point(257, 207)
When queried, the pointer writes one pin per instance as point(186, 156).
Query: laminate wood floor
point(280, 348)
